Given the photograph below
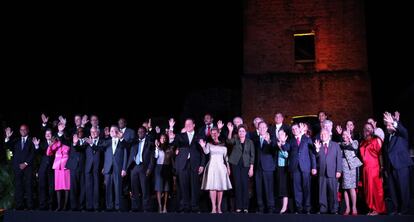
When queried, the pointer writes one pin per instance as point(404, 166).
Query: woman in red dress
point(371, 153)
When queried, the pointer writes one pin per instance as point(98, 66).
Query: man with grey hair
point(329, 157)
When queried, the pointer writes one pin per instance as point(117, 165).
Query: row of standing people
point(255, 154)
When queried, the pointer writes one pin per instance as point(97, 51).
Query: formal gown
point(215, 175)
point(62, 175)
point(374, 195)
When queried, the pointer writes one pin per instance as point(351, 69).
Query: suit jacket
point(77, 156)
point(197, 157)
point(93, 155)
point(396, 151)
point(115, 162)
point(286, 128)
point(61, 153)
point(266, 154)
point(331, 163)
point(248, 154)
point(45, 160)
point(129, 135)
point(21, 155)
point(300, 155)
point(147, 154)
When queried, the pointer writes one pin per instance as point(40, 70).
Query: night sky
point(198, 45)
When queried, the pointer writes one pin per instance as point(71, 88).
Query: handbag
point(352, 159)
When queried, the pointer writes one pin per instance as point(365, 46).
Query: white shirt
point(159, 155)
point(123, 130)
point(278, 126)
point(114, 144)
point(141, 148)
point(190, 139)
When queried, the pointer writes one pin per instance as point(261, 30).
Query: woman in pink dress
point(62, 175)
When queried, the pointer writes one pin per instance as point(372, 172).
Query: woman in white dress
point(216, 175)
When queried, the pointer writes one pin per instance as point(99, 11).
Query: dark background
point(146, 61)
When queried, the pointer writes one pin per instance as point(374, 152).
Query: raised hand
point(267, 137)
point(302, 128)
point(36, 141)
point(157, 144)
point(8, 132)
point(75, 139)
point(388, 117)
point(183, 130)
point(397, 116)
point(220, 124)
point(84, 120)
point(120, 134)
point(149, 123)
point(317, 145)
point(171, 123)
point(89, 140)
point(45, 118)
point(282, 136)
point(339, 129)
point(230, 126)
point(62, 120)
point(202, 143)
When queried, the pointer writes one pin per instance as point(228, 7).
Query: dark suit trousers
point(140, 183)
point(301, 188)
point(92, 187)
point(113, 184)
point(264, 180)
point(46, 186)
point(189, 183)
point(328, 187)
point(399, 187)
point(241, 185)
point(23, 185)
point(77, 189)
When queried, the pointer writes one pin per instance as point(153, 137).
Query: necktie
point(208, 130)
point(22, 143)
point(325, 146)
point(298, 141)
point(261, 141)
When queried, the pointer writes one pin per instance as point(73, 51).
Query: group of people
point(279, 161)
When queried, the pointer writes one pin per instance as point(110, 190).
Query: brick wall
point(336, 82)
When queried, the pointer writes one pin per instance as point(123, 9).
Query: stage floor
point(46, 216)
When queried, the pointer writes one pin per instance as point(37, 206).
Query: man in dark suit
point(76, 165)
point(205, 131)
point(329, 157)
point(129, 134)
point(141, 163)
point(115, 165)
point(301, 163)
point(254, 135)
point(92, 168)
point(23, 152)
point(279, 125)
point(265, 167)
point(397, 162)
point(46, 173)
point(189, 163)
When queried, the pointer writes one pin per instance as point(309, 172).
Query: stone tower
point(302, 56)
